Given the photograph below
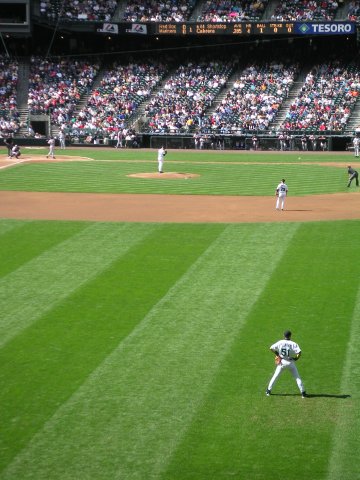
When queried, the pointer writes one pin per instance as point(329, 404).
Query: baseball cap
point(287, 334)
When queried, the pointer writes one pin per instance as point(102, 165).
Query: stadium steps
point(139, 116)
point(197, 11)
point(119, 12)
point(82, 102)
point(270, 9)
point(22, 96)
point(342, 12)
point(293, 93)
point(220, 97)
point(354, 120)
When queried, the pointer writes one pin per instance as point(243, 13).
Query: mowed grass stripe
point(28, 239)
point(8, 225)
point(241, 433)
point(45, 364)
point(346, 447)
point(214, 179)
point(36, 287)
point(128, 418)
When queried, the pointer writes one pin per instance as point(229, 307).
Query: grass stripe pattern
point(136, 406)
point(214, 179)
point(67, 266)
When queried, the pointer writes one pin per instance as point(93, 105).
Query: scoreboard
point(233, 28)
point(256, 28)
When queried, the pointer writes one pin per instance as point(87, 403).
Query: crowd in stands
point(84, 10)
point(181, 105)
point(232, 10)
point(55, 87)
point(354, 11)
point(326, 100)
point(9, 117)
point(305, 10)
point(255, 98)
point(158, 11)
point(122, 89)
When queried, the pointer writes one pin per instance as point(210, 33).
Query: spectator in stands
point(232, 10)
point(255, 98)
point(122, 89)
point(150, 11)
point(180, 106)
point(305, 10)
point(9, 116)
point(56, 87)
point(83, 10)
point(326, 100)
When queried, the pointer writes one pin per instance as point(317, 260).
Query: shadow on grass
point(311, 395)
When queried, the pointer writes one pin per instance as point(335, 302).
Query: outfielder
point(286, 353)
point(161, 154)
point(281, 192)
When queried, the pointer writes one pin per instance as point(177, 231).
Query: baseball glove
point(277, 360)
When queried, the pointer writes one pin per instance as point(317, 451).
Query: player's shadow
point(312, 395)
point(299, 210)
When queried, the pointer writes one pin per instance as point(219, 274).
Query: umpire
point(353, 174)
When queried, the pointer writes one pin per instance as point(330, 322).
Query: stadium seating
point(9, 116)
point(83, 10)
point(151, 11)
point(55, 87)
point(232, 11)
point(122, 89)
point(326, 100)
point(181, 105)
point(305, 10)
point(255, 98)
point(354, 11)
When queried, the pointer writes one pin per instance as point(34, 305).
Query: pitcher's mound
point(165, 175)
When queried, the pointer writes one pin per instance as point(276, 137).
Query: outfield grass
point(140, 351)
point(229, 173)
point(136, 351)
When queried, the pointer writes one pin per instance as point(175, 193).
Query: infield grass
point(219, 173)
point(135, 351)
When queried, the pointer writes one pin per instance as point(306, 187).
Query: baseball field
point(137, 312)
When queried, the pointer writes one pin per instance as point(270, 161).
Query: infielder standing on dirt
point(286, 353)
point(51, 144)
point(161, 154)
point(281, 192)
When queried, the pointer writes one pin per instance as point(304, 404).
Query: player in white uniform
point(51, 143)
point(281, 192)
point(62, 140)
point(356, 144)
point(161, 154)
point(289, 352)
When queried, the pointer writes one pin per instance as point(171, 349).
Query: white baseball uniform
point(287, 351)
point(356, 143)
point(62, 140)
point(161, 155)
point(51, 143)
point(281, 191)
